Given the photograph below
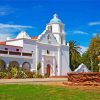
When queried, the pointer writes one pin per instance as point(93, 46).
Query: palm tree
point(74, 54)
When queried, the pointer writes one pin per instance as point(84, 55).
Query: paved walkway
point(33, 81)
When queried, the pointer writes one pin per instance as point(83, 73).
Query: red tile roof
point(2, 43)
point(35, 38)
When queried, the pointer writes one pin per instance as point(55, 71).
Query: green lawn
point(42, 92)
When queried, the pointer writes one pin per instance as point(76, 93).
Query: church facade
point(48, 50)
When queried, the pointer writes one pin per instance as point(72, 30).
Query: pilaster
point(36, 57)
point(54, 67)
point(59, 61)
point(42, 63)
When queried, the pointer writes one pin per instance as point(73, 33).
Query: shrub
point(21, 74)
point(14, 72)
point(3, 75)
point(45, 76)
point(38, 67)
point(37, 76)
point(29, 74)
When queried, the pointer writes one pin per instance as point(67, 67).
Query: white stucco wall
point(65, 60)
point(17, 42)
point(44, 39)
point(55, 28)
point(29, 46)
point(58, 38)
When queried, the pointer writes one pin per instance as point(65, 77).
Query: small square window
point(6, 48)
point(17, 49)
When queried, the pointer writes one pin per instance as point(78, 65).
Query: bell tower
point(57, 28)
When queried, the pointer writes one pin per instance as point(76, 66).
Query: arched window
point(13, 64)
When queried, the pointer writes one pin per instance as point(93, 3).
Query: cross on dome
point(55, 19)
point(55, 15)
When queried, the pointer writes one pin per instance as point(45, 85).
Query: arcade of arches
point(26, 66)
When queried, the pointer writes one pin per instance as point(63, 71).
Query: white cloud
point(3, 37)
point(83, 49)
point(79, 32)
point(94, 23)
point(96, 34)
point(13, 26)
point(9, 30)
point(5, 10)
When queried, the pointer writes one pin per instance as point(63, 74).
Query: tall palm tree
point(74, 54)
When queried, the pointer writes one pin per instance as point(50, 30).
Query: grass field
point(44, 92)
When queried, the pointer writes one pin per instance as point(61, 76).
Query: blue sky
point(81, 17)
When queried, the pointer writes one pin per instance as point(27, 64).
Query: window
point(61, 29)
point(6, 48)
point(48, 36)
point(48, 52)
point(17, 49)
point(51, 28)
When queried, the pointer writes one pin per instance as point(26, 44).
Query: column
point(54, 66)
point(59, 62)
point(7, 65)
point(42, 64)
point(36, 57)
point(20, 65)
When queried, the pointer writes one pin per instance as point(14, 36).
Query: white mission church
point(48, 49)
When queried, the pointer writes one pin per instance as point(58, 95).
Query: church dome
point(23, 34)
point(55, 19)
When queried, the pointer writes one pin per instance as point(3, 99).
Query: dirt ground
point(52, 82)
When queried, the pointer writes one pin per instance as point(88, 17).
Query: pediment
point(47, 37)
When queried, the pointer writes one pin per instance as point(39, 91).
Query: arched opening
point(13, 64)
point(48, 52)
point(2, 65)
point(48, 70)
point(26, 66)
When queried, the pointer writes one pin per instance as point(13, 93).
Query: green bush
point(3, 75)
point(29, 74)
point(9, 75)
point(21, 74)
point(14, 72)
point(37, 76)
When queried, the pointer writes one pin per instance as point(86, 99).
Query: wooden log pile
point(84, 77)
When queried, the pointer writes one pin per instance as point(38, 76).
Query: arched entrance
point(48, 70)
point(26, 66)
point(13, 64)
point(2, 65)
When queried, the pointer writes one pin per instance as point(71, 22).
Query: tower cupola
point(55, 19)
point(57, 28)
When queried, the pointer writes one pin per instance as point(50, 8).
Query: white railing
point(14, 53)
